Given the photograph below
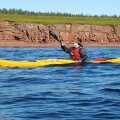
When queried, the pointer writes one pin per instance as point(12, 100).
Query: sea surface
point(67, 92)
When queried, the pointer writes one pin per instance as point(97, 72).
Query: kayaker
point(76, 52)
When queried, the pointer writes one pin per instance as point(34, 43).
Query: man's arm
point(65, 49)
point(83, 54)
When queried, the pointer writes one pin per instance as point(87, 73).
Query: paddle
point(54, 36)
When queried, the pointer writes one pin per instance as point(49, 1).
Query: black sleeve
point(65, 49)
point(83, 54)
point(81, 46)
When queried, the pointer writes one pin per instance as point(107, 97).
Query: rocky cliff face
point(35, 32)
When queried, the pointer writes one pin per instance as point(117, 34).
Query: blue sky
point(92, 7)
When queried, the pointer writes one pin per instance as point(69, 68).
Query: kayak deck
point(37, 63)
point(47, 62)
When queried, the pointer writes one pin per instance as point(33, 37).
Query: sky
point(90, 7)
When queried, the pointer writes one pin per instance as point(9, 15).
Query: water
point(87, 92)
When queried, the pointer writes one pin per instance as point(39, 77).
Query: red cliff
point(38, 33)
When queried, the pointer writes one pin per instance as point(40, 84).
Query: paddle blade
point(54, 36)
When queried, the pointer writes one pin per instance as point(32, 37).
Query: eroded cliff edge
point(91, 35)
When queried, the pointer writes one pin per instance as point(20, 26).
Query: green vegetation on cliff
point(60, 19)
point(56, 18)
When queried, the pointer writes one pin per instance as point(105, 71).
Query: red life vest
point(74, 54)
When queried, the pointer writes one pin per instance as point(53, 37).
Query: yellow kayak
point(37, 63)
point(47, 62)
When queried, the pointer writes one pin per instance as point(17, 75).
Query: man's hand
point(62, 44)
point(80, 60)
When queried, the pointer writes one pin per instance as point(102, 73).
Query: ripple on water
point(87, 92)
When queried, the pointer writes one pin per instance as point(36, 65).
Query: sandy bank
point(30, 44)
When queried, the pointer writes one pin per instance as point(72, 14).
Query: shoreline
point(22, 44)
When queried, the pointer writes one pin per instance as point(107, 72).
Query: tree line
point(26, 12)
